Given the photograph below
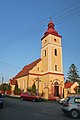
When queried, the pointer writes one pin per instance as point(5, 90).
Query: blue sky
point(22, 25)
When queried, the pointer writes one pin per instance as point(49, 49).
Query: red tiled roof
point(26, 69)
point(13, 82)
point(69, 84)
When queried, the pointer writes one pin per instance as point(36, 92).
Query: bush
point(8, 88)
point(3, 88)
point(29, 89)
point(17, 91)
point(33, 90)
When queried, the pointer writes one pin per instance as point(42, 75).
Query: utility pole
point(2, 79)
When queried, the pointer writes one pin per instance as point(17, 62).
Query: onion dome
point(51, 30)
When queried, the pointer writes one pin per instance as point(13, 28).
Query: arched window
point(55, 39)
point(55, 52)
point(56, 83)
point(56, 68)
point(38, 68)
point(44, 53)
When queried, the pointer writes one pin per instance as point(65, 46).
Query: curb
point(13, 96)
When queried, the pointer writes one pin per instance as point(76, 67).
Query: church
point(47, 71)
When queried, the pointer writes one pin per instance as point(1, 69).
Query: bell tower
point(51, 55)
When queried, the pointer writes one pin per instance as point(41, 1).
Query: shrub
point(17, 91)
point(33, 90)
point(29, 89)
point(3, 88)
point(8, 88)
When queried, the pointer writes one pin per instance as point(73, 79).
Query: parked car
point(30, 97)
point(1, 101)
point(71, 106)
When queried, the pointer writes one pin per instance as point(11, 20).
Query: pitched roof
point(13, 82)
point(68, 84)
point(25, 70)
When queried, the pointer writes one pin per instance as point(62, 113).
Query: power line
point(68, 19)
point(9, 65)
point(9, 42)
point(68, 14)
point(27, 30)
point(17, 41)
point(67, 10)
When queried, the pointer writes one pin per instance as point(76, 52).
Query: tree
point(33, 90)
point(72, 74)
point(8, 87)
point(17, 91)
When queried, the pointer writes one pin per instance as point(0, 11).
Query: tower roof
point(51, 30)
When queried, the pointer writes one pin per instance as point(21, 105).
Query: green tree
point(33, 90)
point(72, 74)
point(3, 87)
point(17, 91)
point(8, 87)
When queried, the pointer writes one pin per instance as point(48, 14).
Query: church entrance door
point(56, 90)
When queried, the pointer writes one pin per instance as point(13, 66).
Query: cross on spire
point(50, 18)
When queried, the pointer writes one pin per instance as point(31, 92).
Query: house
point(71, 86)
point(47, 71)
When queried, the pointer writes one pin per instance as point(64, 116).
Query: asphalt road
point(15, 109)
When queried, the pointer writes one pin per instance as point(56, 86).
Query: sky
point(22, 25)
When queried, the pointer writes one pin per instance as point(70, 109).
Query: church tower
point(51, 55)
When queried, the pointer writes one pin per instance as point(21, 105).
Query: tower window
point(38, 68)
point(56, 67)
point(55, 52)
point(44, 53)
point(45, 41)
point(55, 40)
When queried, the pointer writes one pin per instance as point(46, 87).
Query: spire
point(51, 24)
point(50, 18)
point(51, 30)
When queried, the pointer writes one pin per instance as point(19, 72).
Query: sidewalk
point(13, 96)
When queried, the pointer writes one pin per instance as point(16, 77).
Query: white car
point(71, 106)
point(61, 100)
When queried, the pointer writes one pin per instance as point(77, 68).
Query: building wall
point(22, 82)
point(37, 69)
point(35, 76)
point(73, 86)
